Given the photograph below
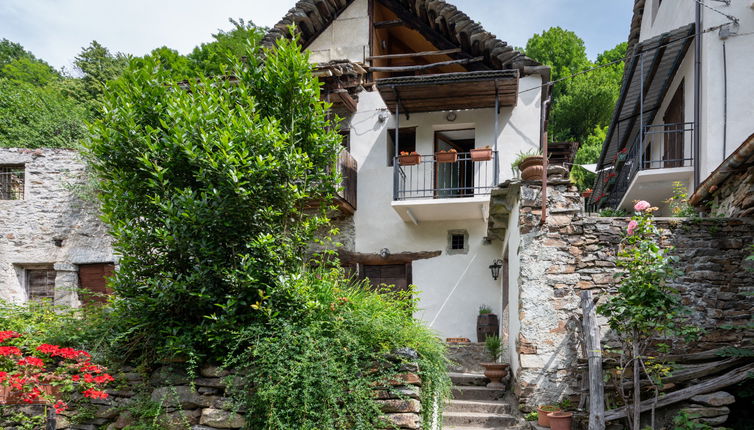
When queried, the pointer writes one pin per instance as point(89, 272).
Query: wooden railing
point(347, 167)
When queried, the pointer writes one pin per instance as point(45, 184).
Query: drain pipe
point(543, 145)
point(697, 93)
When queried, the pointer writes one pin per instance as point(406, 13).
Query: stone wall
point(572, 253)
point(52, 226)
point(735, 197)
point(200, 403)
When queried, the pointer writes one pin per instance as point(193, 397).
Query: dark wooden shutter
point(673, 151)
point(93, 277)
point(40, 284)
point(396, 275)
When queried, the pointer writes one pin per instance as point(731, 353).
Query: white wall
point(740, 62)
point(514, 324)
point(346, 38)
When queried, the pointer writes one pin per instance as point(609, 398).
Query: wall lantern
point(495, 268)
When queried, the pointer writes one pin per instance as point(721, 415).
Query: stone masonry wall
point(571, 253)
point(201, 403)
point(52, 225)
point(735, 197)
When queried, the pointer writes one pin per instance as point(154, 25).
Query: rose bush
point(41, 374)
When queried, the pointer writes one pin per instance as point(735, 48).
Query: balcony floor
point(655, 186)
point(462, 208)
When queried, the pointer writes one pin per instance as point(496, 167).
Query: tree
point(588, 153)
point(560, 49)
point(209, 57)
point(97, 67)
point(204, 187)
point(35, 117)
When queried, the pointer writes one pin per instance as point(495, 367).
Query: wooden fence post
point(594, 355)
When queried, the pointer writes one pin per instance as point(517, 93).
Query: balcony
point(647, 170)
point(432, 190)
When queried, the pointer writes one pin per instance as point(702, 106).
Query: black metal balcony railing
point(636, 159)
point(430, 179)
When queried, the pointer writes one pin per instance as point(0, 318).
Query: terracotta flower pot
point(446, 157)
point(481, 154)
point(586, 194)
point(560, 420)
point(532, 168)
point(408, 160)
point(542, 418)
point(495, 372)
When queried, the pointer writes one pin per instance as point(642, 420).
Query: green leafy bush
point(204, 188)
point(315, 361)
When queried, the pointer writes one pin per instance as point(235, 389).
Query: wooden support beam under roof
point(389, 24)
point(415, 54)
point(425, 66)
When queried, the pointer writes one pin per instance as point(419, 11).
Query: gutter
point(738, 158)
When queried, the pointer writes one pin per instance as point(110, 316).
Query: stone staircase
point(474, 406)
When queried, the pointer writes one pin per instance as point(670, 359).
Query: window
point(396, 276)
point(406, 142)
point(40, 283)
point(11, 182)
point(458, 242)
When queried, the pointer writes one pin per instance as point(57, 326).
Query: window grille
point(11, 182)
point(40, 284)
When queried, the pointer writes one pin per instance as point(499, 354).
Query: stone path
point(474, 406)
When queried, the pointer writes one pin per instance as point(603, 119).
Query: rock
point(404, 421)
point(61, 422)
point(227, 404)
point(213, 372)
point(706, 411)
point(399, 405)
point(169, 376)
point(179, 420)
point(125, 419)
point(714, 421)
point(719, 398)
point(181, 396)
point(221, 419)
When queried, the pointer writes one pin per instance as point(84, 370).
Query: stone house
point(685, 103)
point(52, 242)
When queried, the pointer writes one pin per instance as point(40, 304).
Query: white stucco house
point(426, 79)
point(686, 100)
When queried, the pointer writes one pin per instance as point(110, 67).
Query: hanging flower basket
point(408, 159)
point(481, 154)
point(446, 156)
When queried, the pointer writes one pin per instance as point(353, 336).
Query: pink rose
point(641, 206)
point(632, 226)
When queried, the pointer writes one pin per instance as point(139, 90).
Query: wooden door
point(673, 151)
point(93, 277)
point(397, 276)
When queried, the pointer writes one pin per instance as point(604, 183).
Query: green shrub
point(204, 189)
point(316, 359)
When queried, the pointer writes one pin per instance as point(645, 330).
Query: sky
point(56, 30)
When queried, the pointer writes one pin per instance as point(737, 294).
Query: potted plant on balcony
point(494, 370)
point(587, 193)
point(408, 158)
point(530, 164)
point(449, 156)
point(481, 154)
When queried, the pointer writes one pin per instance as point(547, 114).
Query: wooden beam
point(432, 36)
point(389, 24)
point(425, 66)
point(708, 386)
point(416, 54)
point(349, 257)
point(345, 99)
point(594, 355)
point(696, 357)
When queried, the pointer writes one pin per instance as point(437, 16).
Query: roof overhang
point(646, 79)
point(449, 91)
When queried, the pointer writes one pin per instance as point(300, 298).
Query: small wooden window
point(406, 142)
point(40, 284)
point(458, 242)
point(11, 182)
point(93, 279)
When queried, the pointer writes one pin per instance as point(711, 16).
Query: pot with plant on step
point(542, 411)
point(530, 164)
point(495, 371)
point(560, 420)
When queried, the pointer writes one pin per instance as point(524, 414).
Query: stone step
point(476, 419)
point(468, 379)
point(488, 407)
point(477, 393)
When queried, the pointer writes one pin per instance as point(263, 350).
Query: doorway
point(455, 179)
